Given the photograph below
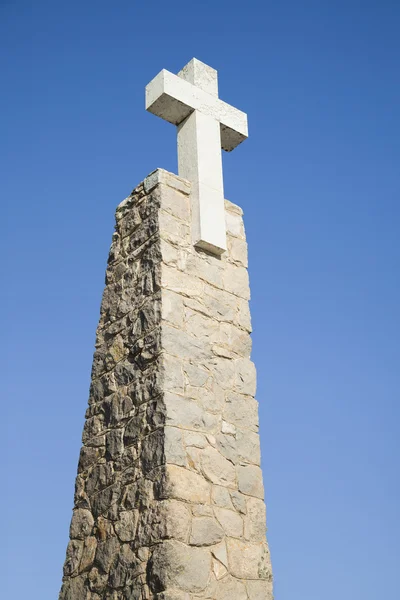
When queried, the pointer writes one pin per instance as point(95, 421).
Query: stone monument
point(169, 498)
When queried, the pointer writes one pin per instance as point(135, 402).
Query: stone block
point(73, 558)
point(194, 458)
point(181, 283)
point(221, 497)
point(172, 229)
point(186, 414)
point(236, 281)
point(231, 589)
point(173, 255)
point(234, 224)
point(88, 457)
point(220, 303)
point(217, 469)
point(174, 564)
point(97, 580)
point(228, 428)
point(245, 376)
point(166, 520)
point(227, 446)
point(248, 446)
point(242, 411)
point(211, 398)
point(125, 527)
point(250, 480)
point(183, 345)
point(106, 552)
point(105, 499)
point(224, 372)
point(239, 501)
point(73, 589)
point(243, 317)
point(138, 494)
point(255, 521)
point(219, 569)
point(88, 553)
point(174, 450)
point(183, 484)
point(230, 521)
point(115, 443)
point(238, 250)
point(195, 375)
point(172, 308)
point(153, 451)
point(195, 439)
point(173, 201)
point(235, 339)
point(173, 374)
point(160, 176)
point(201, 266)
point(81, 524)
point(259, 590)
point(201, 326)
point(245, 559)
point(206, 531)
point(119, 408)
point(202, 510)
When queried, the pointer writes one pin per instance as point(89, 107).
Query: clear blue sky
point(319, 182)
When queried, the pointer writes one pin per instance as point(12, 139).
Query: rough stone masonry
point(169, 500)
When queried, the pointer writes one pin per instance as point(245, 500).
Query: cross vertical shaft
point(200, 162)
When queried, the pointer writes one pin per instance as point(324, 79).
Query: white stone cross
point(205, 124)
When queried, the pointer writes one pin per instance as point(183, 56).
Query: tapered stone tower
point(169, 499)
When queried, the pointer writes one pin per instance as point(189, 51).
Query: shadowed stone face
point(169, 494)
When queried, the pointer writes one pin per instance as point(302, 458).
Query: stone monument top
point(169, 496)
point(205, 125)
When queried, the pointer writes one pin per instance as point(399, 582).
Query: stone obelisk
point(169, 498)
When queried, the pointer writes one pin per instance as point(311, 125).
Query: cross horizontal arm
point(174, 99)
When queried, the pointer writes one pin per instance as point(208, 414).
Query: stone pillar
point(169, 500)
